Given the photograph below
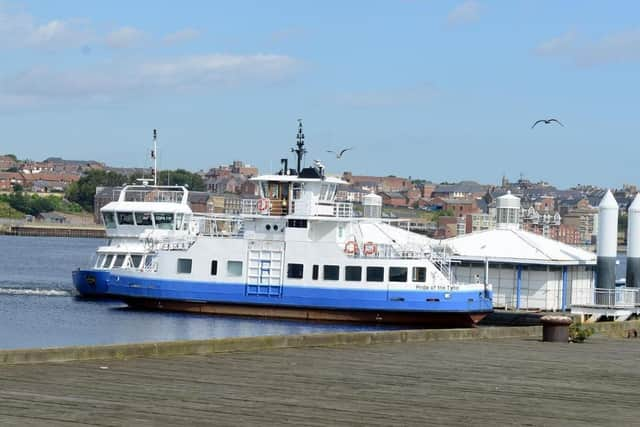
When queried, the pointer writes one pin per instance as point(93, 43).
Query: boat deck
point(483, 382)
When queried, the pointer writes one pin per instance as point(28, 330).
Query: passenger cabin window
point(109, 219)
point(164, 221)
point(214, 267)
point(136, 260)
point(125, 218)
point(234, 268)
point(375, 274)
point(143, 218)
point(331, 272)
point(419, 274)
point(397, 274)
point(314, 274)
point(184, 265)
point(352, 273)
point(295, 271)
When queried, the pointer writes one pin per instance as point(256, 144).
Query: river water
point(38, 306)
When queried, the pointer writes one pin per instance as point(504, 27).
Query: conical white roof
point(512, 245)
point(608, 201)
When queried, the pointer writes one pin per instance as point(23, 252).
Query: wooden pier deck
point(482, 382)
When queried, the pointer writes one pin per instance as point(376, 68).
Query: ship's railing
point(267, 207)
point(150, 268)
point(343, 209)
point(619, 297)
point(385, 251)
point(169, 243)
point(154, 195)
point(441, 259)
point(276, 207)
point(219, 225)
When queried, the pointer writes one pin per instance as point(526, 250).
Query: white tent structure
point(527, 271)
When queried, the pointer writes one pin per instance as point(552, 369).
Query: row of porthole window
point(353, 273)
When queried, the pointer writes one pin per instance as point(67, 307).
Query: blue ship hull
point(450, 308)
point(91, 283)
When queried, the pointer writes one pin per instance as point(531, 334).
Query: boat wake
point(36, 292)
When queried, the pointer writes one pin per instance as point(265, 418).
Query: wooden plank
point(442, 383)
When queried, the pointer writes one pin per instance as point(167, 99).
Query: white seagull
point(339, 153)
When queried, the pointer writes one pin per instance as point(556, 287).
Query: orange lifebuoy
point(263, 205)
point(370, 248)
point(351, 247)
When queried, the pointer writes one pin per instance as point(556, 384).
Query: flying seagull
point(339, 153)
point(546, 122)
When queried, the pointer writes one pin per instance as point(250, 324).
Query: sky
point(438, 90)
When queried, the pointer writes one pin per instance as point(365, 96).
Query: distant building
point(393, 198)
point(461, 190)
point(9, 179)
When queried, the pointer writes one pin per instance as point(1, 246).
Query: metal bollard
point(555, 328)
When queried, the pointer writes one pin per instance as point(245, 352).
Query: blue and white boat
point(295, 252)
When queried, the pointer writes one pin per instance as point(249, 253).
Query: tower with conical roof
point(607, 247)
point(633, 243)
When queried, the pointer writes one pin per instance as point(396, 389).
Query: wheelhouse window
point(107, 261)
point(397, 274)
point(99, 261)
point(375, 274)
point(164, 221)
point(353, 273)
point(119, 261)
point(143, 218)
point(178, 221)
point(295, 271)
point(109, 219)
point(331, 272)
point(315, 272)
point(234, 268)
point(184, 265)
point(419, 274)
point(125, 218)
point(214, 267)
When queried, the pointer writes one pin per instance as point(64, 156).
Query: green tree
point(182, 177)
point(83, 191)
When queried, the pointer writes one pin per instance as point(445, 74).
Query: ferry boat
point(295, 252)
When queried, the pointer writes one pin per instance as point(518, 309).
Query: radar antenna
point(300, 150)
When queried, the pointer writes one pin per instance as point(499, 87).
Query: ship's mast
point(154, 156)
point(300, 151)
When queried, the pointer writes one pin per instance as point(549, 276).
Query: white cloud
point(43, 86)
point(124, 37)
point(464, 13)
point(619, 47)
point(18, 29)
point(560, 45)
point(181, 36)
